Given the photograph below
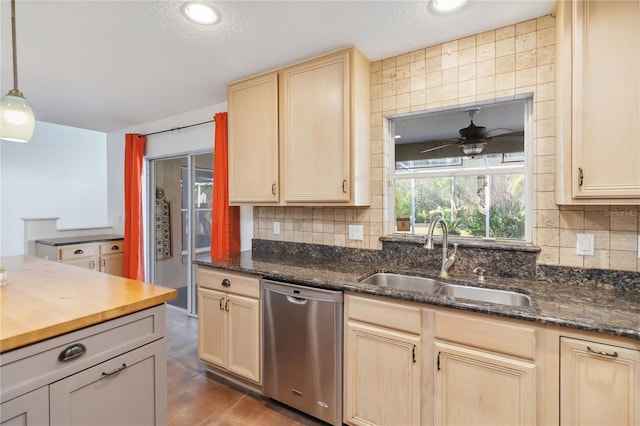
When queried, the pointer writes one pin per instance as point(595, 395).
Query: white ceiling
point(109, 65)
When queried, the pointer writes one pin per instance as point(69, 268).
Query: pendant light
point(16, 116)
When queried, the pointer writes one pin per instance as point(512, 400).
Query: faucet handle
point(480, 273)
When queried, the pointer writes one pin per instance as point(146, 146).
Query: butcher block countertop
point(44, 299)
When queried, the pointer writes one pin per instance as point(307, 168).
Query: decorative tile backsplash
point(510, 61)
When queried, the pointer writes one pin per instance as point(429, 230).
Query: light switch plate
point(584, 244)
point(355, 232)
point(276, 228)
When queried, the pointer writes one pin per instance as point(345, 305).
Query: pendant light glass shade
point(16, 118)
point(474, 148)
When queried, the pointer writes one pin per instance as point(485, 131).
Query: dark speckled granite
point(591, 307)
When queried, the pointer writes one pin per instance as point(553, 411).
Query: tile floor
point(197, 398)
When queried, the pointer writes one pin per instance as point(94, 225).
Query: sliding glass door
point(180, 192)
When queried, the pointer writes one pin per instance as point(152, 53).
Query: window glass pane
point(487, 206)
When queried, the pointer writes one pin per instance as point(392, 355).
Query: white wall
point(191, 140)
point(61, 172)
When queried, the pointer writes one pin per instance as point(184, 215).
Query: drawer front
point(37, 365)
point(492, 335)
point(241, 284)
point(112, 247)
point(384, 313)
point(74, 252)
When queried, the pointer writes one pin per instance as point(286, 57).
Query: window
point(202, 201)
point(477, 179)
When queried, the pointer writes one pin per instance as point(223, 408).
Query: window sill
point(495, 244)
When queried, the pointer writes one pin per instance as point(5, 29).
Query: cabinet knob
point(226, 283)
point(72, 352)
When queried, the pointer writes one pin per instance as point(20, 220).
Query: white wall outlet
point(276, 228)
point(584, 244)
point(355, 232)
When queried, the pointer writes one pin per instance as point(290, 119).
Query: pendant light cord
point(13, 45)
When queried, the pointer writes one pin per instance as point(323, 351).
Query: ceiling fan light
point(447, 6)
point(17, 120)
point(472, 149)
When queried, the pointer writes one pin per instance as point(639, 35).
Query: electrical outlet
point(276, 228)
point(355, 232)
point(584, 244)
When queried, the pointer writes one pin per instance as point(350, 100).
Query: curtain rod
point(178, 128)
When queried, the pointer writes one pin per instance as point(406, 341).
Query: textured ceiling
point(109, 65)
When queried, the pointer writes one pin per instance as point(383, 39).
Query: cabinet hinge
point(439, 361)
point(413, 354)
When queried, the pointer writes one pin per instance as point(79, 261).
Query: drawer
point(389, 314)
point(76, 251)
point(36, 365)
point(241, 284)
point(492, 335)
point(112, 247)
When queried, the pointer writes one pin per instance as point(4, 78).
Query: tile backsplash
point(514, 60)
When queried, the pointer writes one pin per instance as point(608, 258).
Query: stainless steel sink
point(480, 294)
point(402, 282)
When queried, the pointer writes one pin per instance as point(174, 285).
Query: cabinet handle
point(222, 304)
point(413, 354)
point(115, 247)
point(226, 305)
point(273, 189)
point(103, 262)
point(79, 251)
point(72, 352)
point(116, 371)
point(344, 186)
point(580, 176)
point(226, 283)
point(92, 265)
point(439, 360)
point(612, 355)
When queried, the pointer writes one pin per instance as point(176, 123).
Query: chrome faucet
point(447, 262)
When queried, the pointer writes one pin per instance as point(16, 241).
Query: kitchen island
point(74, 342)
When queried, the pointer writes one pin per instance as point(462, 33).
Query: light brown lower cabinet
point(413, 364)
point(229, 322)
point(106, 257)
point(119, 379)
point(599, 383)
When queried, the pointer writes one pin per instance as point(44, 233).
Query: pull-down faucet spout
point(447, 262)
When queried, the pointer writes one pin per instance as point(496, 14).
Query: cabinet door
point(253, 140)
point(28, 409)
point(243, 339)
point(599, 384)
point(212, 326)
point(476, 388)
point(606, 99)
point(315, 136)
point(382, 376)
point(112, 264)
point(82, 262)
point(126, 390)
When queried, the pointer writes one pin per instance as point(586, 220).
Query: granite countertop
point(581, 307)
point(66, 241)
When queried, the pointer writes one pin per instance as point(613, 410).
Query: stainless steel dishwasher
point(303, 348)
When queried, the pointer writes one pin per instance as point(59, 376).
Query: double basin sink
point(429, 285)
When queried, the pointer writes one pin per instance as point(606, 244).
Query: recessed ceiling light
point(398, 136)
point(446, 6)
point(200, 13)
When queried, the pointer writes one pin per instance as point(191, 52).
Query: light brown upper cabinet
point(302, 139)
point(598, 102)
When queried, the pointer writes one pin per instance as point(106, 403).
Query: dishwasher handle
point(297, 300)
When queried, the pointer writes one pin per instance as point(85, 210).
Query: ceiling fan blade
point(437, 147)
point(503, 132)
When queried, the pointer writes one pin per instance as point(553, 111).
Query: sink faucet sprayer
point(447, 262)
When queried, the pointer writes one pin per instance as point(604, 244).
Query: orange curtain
point(225, 220)
point(133, 256)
